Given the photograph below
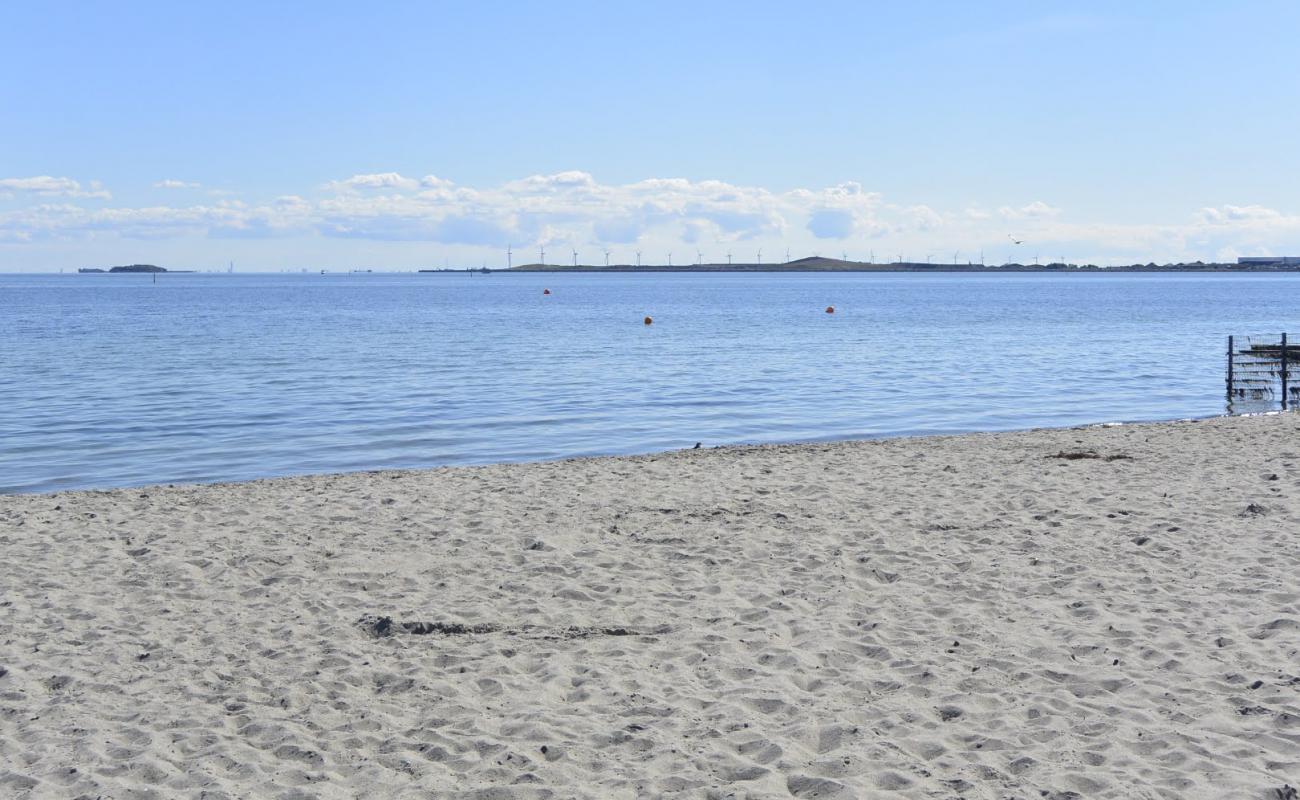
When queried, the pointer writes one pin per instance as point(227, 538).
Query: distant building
point(1286, 261)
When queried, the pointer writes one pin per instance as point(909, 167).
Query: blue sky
point(412, 134)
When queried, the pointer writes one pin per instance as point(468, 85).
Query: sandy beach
point(1099, 612)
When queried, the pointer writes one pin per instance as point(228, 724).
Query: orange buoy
point(546, 291)
point(830, 309)
point(649, 321)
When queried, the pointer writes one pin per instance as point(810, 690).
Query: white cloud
point(1228, 215)
point(42, 184)
point(560, 181)
point(379, 180)
point(572, 209)
point(842, 211)
point(170, 183)
point(923, 218)
point(48, 186)
point(831, 223)
point(1228, 254)
point(1035, 210)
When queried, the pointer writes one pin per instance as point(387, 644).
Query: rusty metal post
point(1284, 371)
point(1229, 369)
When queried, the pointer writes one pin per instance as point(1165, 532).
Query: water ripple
point(109, 380)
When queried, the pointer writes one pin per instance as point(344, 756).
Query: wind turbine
point(787, 255)
point(542, 250)
point(607, 257)
point(638, 258)
point(760, 255)
point(575, 258)
point(509, 257)
point(954, 257)
point(728, 258)
point(844, 255)
point(699, 258)
point(670, 258)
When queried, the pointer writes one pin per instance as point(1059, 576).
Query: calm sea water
point(115, 380)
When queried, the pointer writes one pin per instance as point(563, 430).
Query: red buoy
point(830, 309)
point(546, 291)
point(649, 321)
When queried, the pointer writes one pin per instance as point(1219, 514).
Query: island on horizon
point(128, 268)
point(821, 264)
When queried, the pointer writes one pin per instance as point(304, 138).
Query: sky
point(399, 135)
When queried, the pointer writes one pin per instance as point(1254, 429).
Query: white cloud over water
point(573, 209)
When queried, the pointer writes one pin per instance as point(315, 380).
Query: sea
point(126, 380)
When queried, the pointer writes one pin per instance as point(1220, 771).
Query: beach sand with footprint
point(1098, 612)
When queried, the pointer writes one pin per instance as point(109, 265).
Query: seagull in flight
point(1014, 240)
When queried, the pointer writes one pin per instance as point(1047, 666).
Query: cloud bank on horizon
point(428, 219)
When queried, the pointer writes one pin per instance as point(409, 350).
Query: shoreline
point(177, 484)
point(1107, 610)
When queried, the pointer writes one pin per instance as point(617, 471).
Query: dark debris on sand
point(385, 626)
point(1075, 455)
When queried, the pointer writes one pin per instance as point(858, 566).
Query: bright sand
point(944, 617)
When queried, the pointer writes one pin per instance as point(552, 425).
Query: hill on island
point(127, 268)
point(137, 268)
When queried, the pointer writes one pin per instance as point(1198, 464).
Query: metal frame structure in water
point(1264, 368)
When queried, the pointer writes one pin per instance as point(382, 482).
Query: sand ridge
point(987, 616)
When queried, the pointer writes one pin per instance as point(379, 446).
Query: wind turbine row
point(699, 256)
